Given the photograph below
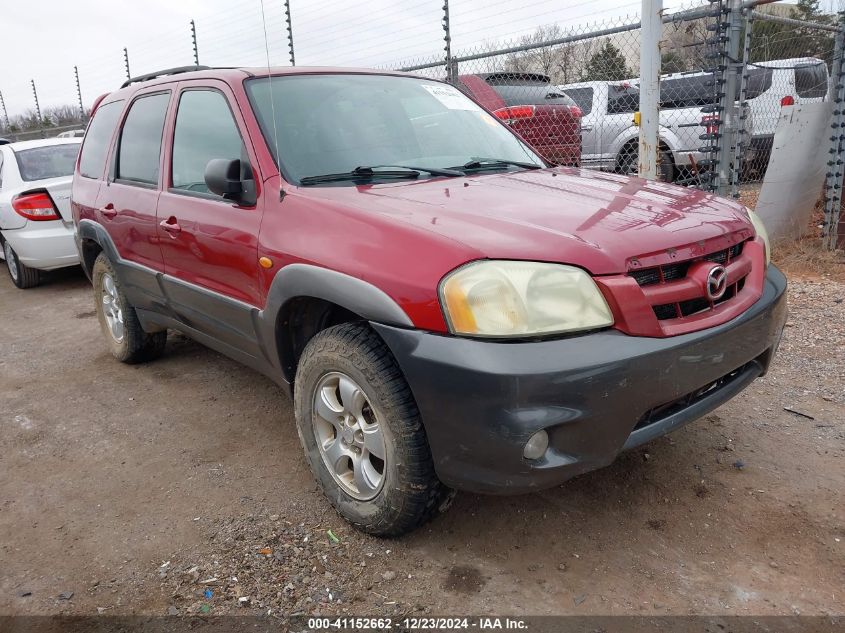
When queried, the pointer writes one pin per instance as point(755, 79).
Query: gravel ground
point(180, 487)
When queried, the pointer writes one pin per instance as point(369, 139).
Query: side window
point(759, 81)
point(139, 151)
point(583, 97)
point(811, 81)
point(205, 129)
point(622, 99)
point(96, 143)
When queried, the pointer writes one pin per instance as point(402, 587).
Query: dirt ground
point(180, 487)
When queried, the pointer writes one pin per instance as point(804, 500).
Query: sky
point(46, 43)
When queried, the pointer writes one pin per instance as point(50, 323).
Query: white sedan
point(36, 227)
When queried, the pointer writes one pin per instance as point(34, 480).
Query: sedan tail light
point(35, 206)
point(787, 100)
point(515, 113)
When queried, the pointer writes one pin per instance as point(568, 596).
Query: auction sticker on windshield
point(451, 97)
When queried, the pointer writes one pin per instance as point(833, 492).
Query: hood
point(595, 220)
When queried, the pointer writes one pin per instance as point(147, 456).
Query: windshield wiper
point(378, 171)
point(496, 163)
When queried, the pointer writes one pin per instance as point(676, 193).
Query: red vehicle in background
point(542, 115)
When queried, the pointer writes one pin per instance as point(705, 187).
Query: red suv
point(446, 311)
point(539, 112)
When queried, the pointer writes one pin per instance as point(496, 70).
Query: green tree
point(672, 62)
point(607, 64)
point(773, 40)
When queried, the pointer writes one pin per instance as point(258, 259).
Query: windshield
point(329, 124)
point(51, 161)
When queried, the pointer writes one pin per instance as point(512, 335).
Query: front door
point(209, 244)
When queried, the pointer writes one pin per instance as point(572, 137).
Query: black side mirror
point(223, 177)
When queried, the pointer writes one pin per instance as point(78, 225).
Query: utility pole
point(79, 94)
point(652, 30)
point(194, 39)
point(451, 70)
point(37, 107)
point(5, 114)
point(126, 62)
point(290, 32)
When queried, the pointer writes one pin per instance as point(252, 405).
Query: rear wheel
point(22, 276)
point(362, 433)
point(127, 340)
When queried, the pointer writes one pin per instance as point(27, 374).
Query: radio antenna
point(272, 100)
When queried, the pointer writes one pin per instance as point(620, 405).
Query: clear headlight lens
point(513, 298)
point(760, 228)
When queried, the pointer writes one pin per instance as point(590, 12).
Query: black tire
point(22, 276)
point(135, 345)
point(628, 163)
point(410, 493)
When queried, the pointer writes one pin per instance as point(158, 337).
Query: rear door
point(91, 166)
point(126, 205)
point(210, 244)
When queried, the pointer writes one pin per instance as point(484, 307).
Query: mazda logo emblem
point(717, 283)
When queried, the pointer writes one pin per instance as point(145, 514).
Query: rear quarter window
point(52, 161)
point(95, 147)
point(811, 81)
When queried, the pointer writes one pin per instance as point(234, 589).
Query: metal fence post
point(79, 93)
point(5, 114)
point(836, 150)
point(126, 62)
point(451, 66)
point(194, 40)
point(725, 168)
point(35, 95)
point(652, 27)
point(740, 132)
point(290, 32)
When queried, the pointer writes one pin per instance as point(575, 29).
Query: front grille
point(663, 411)
point(668, 273)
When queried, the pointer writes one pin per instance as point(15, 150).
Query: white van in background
point(772, 85)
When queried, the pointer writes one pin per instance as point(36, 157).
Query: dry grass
point(808, 258)
point(805, 257)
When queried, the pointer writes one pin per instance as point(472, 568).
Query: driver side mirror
point(230, 180)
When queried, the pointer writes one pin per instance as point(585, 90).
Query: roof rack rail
point(163, 73)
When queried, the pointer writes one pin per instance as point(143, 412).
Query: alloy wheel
point(349, 436)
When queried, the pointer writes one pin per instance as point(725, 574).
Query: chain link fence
point(727, 70)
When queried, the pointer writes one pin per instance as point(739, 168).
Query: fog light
point(536, 445)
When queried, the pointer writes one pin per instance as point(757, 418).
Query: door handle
point(170, 225)
point(108, 211)
point(586, 128)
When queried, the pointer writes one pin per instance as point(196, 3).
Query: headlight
point(513, 298)
point(760, 228)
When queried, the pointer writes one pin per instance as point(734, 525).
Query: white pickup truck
point(610, 140)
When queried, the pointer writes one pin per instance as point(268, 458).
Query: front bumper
point(596, 395)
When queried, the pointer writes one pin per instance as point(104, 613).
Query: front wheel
point(628, 163)
point(22, 276)
point(362, 433)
